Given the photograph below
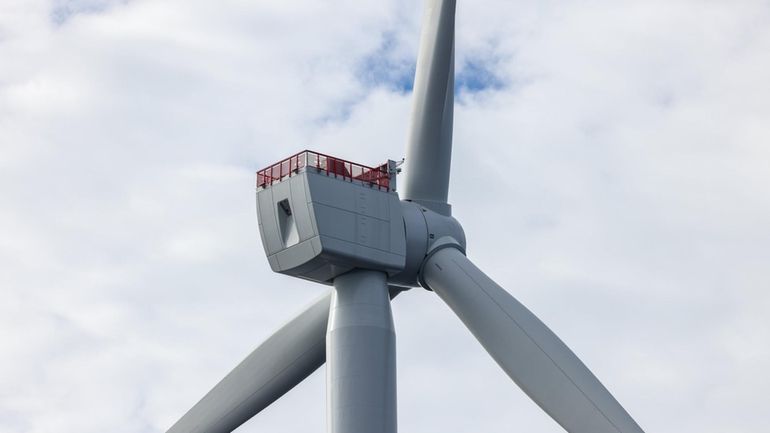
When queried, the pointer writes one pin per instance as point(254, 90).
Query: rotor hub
point(425, 230)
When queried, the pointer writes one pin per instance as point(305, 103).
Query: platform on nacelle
point(378, 177)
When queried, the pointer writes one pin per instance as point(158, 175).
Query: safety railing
point(331, 166)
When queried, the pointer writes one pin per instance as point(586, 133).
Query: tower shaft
point(361, 356)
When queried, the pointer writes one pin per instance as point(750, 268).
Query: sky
point(611, 169)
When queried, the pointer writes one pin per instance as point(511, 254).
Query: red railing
point(329, 165)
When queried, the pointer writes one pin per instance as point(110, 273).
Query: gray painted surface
point(341, 230)
point(361, 348)
point(429, 149)
point(423, 228)
point(316, 225)
point(533, 356)
point(276, 366)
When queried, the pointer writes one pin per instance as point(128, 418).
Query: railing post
point(373, 176)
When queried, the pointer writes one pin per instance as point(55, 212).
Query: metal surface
point(423, 228)
point(361, 356)
point(276, 366)
point(379, 177)
point(328, 220)
point(316, 226)
point(533, 356)
point(429, 149)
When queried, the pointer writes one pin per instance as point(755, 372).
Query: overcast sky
point(611, 170)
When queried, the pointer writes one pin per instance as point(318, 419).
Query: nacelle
point(321, 216)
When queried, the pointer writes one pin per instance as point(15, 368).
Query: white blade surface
point(429, 150)
point(276, 366)
point(533, 356)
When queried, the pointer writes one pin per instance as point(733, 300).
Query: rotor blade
point(530, 353)
point(429, 150)
point(270, 371)
point(276, 366)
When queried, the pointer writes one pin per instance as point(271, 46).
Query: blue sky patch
point(63, 10)
point(476, 75)
point(383, 68)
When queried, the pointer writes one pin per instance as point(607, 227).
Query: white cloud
point(625, 157)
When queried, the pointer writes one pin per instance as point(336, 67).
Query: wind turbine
point(342, 224)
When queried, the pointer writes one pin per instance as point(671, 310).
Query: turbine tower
point(342, 224)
